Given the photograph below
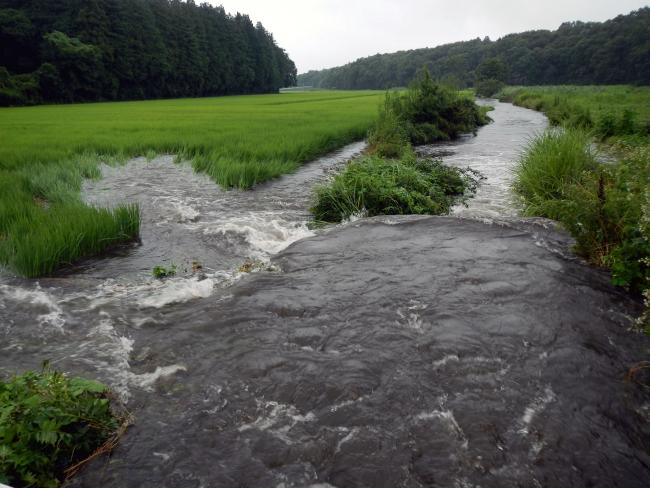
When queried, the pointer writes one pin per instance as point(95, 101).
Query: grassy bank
point(605, 206)
point(391, 180)
point(606, 111)
point(47, 151)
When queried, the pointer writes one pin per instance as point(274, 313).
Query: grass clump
point(377, 186)
point(50, 423)
point(551, 164)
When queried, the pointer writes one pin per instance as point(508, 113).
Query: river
point(471, 350)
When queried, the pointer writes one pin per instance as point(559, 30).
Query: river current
point(470, 350)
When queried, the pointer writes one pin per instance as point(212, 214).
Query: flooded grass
point(238, 141)
point(377, 186)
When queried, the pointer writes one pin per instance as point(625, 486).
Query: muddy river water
point(463, 351)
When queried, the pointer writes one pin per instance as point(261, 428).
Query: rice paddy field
point(47, 151)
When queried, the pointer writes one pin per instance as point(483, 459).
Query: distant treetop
point(88, 50)
point(613, 52)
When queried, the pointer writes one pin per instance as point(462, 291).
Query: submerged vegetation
point(237, 141)
point(49, 424)
point(392, 180)
point(161, 272)
point(382, 186)
point(603, 205)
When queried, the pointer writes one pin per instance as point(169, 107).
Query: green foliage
point(488, 88)
point(135, 49)
point(551, 164)
point(613, 52)
point(425, 113)
point(48, 422)
point(608, 111)
point(161, 272)
point(377, 186)
point(388, 138)
point(237, 141)
point(599, 204)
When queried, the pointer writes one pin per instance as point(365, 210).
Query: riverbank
point(604, 205)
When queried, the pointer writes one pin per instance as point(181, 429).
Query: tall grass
point(47, 151)
point(599, 204)
point(552, 163)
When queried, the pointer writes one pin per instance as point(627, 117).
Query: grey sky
point(324, 33)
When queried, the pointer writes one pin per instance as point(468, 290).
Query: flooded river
point(395, 351)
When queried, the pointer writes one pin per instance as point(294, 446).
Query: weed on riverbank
point(50, 424)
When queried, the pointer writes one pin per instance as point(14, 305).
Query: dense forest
point(612, 52)
point(85, 50)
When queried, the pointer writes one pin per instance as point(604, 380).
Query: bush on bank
point(49, 422)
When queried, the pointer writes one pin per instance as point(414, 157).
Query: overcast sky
point(325, 33)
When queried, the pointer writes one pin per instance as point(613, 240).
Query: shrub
point(488, 88)
point(49, 422)
point(425, 113)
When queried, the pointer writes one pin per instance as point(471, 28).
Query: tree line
point(90, 50)
point(613, 52)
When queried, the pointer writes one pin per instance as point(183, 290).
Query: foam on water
point(278, 419)
point(264, 232)
point(52, 315)
point(535, 408)
point(178, 291)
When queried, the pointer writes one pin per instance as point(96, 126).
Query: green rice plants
point(612, 111)
point(50, 424)
point(40, 240)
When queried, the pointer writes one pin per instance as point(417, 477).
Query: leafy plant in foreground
point(49, 422)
